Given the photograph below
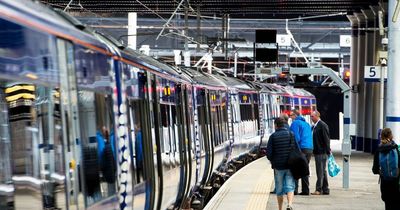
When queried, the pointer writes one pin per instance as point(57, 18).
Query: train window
point(224, 117)
point(256, 116)
point(215, 126)
point(190, 120)
point(215, 121)
point(270, 116)
point(201, 119)
point(282, 109)
point(200, 126)
point(136, 136)
point(246, 112)
point(99, 155)
point(174, 133)
point(31, 153)
point(169, 132)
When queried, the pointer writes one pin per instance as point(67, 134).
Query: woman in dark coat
point(389, 188)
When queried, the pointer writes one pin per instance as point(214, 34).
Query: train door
point(256, 114)
point(70, 124)
point(264, 114)
point(199, 134)
point(269, 116)
point(204, 134)
point(224, 115)
point(32, 169)
point(192, 144)
point(140, 135)
point(217, 127)
point(236, 118)
point(184, 146)
point(172, 135)
point(211, 131)
point(145, 134)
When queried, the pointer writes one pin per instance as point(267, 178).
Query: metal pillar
point(235, 65)
point(225, 35)
point(375, 87)
point(393, 86)
point(353, 70)
point(132, 30)
point(360, 83)
point(370, 61)
point(198, 27)
point(186, 54)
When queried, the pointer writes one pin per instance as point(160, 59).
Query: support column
point(353, 73)
point(346, 144)
point(198, 27)
point(368, 86)
point(132, 30)
point(360, 83)
point(393, 85)
point(375, 86)
point(186, 54)
point(225, 37)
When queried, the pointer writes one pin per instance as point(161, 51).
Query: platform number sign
point(373, 73)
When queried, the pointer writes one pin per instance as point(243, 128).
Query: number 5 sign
point(373, 73)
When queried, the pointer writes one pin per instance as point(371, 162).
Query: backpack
point(389, 164)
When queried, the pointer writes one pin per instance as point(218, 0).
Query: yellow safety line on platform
point(260, 194)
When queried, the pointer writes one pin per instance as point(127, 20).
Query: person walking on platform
point(386, 159)
point(285, 117)
point(322, 148)
point(302, 133)
point(278, 149)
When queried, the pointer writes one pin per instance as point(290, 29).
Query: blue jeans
point(284, 182)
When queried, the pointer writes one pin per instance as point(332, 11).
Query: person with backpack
point(279, 146)
point(386, 164)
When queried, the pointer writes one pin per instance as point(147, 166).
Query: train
point(87, 123)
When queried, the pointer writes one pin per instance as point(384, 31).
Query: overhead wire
point(152, 11)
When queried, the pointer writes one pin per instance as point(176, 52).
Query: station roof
point(260, 9)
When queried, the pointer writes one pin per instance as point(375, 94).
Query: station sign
point(373, 73)
point(345, 41)
point(283, 40)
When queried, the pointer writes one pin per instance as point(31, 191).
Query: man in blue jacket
point(303, 136)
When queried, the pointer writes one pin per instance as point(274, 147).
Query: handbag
point(297, 161)
point(333, 167)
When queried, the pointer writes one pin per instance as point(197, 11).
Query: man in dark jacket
point(302, 132)
point(322, 148)
point(278, 149)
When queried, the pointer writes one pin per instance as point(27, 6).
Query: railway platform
point(250, 188)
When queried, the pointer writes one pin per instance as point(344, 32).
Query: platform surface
point(250, 188)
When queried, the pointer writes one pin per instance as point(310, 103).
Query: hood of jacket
point(300, 118)
point(385, 148)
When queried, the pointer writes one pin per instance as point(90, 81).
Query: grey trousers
point(322, 175)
